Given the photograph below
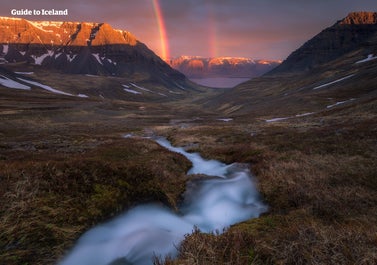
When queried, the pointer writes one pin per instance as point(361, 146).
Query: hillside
point(86, 49)
point(348, 75)
point(343, 37)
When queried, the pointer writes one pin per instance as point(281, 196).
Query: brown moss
point(48, 203)
point(318, 178)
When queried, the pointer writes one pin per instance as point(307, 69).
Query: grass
point(316, 173)
point(199, 249)
point(48, 202)
point(318, 176)
point(64, 168)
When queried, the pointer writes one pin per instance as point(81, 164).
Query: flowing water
point(151, 230)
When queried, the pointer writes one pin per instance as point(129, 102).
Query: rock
point(359, 18)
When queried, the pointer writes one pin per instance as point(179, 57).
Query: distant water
point(220, 82)
point(147, 230)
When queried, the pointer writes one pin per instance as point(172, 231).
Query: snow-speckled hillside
point(84, 48)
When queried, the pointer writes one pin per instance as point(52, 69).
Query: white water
point(149, 230)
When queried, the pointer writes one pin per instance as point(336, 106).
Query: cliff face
point(199, 67)
point(79, 48)
point(344, 36)
point(21, 31)
point(359, 18)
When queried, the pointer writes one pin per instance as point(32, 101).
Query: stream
point(212, 204)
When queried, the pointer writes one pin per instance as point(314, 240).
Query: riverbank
point(318, 176)
point(226, 196)
point(60, 177)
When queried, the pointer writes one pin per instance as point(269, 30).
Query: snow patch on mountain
point(178, 85)
point(225, 119)
point(24, 73)
point(71, 57)
point(48, 88)
point(12, 84)
point(39, 59)
point(140, 87)
point(333, 82)
point(41, 24)
point(278, 119)
point(340, 103)
point(304, 114)
point(173, 92)
point(5, 49)
point(370, 57)
point(96, 55)
point(132, 91)
point(10, 18)
point(290, 117)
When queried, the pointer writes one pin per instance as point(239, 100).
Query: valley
point(307, 134)
point(221, 72)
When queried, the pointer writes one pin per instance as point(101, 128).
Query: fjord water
point(220, 82)
point(211, 204)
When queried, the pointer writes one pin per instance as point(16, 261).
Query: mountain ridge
point(224, 66)
point(62, 32)
point(52, 50)
point(313, 78)
point(342, 37)
point(85, 48)
point(359, 18)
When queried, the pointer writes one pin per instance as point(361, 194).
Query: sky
point(259, 29)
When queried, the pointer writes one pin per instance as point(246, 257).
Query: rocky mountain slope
point(201, 67)
point(349, 77)
point(84, 48)
point(344, 36)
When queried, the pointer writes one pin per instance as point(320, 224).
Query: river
point(138, 235)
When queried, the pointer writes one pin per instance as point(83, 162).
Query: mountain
point(336, 68)
point(344, 36)
point(201, 67)
point(84, 48)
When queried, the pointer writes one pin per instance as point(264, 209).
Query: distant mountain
point(344, 36)
point(201, 67)
point(83, 48)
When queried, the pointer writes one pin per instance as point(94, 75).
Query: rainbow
point(212, 34)
point(162, 29)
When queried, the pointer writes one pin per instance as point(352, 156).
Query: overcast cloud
point(265, 29)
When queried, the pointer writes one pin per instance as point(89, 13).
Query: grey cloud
point(250, 28)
